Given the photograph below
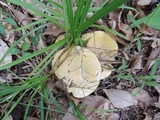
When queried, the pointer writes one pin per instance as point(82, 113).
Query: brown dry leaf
point(113, 19)
point(144, 2)
point(95, 102)
point(124, 28)
point(143, 97)
point(10, 34)
point(41, 44)
point(69, 116)
point(136, 64)
point(150, 31)
point(53, 29)
point(155, 43)
point(22, 18)
point(157, 116)
point(155, 53)
point(148, 117)
point(120, 98)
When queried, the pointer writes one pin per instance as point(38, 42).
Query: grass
point(76, 22)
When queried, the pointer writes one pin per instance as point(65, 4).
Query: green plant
point(76, 23)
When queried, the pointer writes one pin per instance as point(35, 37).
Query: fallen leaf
point(157, 116)
point(144, 2)
point(53, 29)
point(136, 63)
point(150, 31)
point(114, 116)
point(120, 98)
point(94, 102)
point(124, 28)
point(155, 43)
point(2, 80)
point(69, 115)
point(142, 97)
point(3, 49)
point(155, 52)
point(9, 117)
point(10, 34)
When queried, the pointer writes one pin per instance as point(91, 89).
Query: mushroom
point(104, 47)
point(102, 44)
point(79, 69)
point(105, 72)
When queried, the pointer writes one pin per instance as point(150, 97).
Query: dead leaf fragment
point(69, 116)
point(53, 29)
point(114, 116)
point(120, 98)
point(9, 118)
point(155, 53)
point(3, 49)
point(144, 2)
point(143, 97)
point(157, 116)
point(2, 80)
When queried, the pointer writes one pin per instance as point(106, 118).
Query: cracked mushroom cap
point(79, 69)
point(102, 44)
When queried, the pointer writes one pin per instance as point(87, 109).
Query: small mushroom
point(79, 69)
point(102, 44)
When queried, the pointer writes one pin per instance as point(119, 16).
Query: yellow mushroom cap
point(105, 72)
point(102, 44)
point(79, 69)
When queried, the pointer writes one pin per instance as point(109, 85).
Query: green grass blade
point(111, 31)
point(101, 13)
point(31, 24)
point(154, 68)
point(19, 40)
point(84, 12)
point(37, 10)
point(42, 107)
point(78, 14)
point(54, 4)
point(60, 43)
point(70, 15)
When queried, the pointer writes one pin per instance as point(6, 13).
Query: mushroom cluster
point(81, 69)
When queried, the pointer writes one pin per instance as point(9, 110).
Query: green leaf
point(14, 51)
point(154, 19)
point(139, 45)
point(25, 46)
point(2, 30)
point(101, 13)
point(25, 54)
point(11, 21)
point(34, 40)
